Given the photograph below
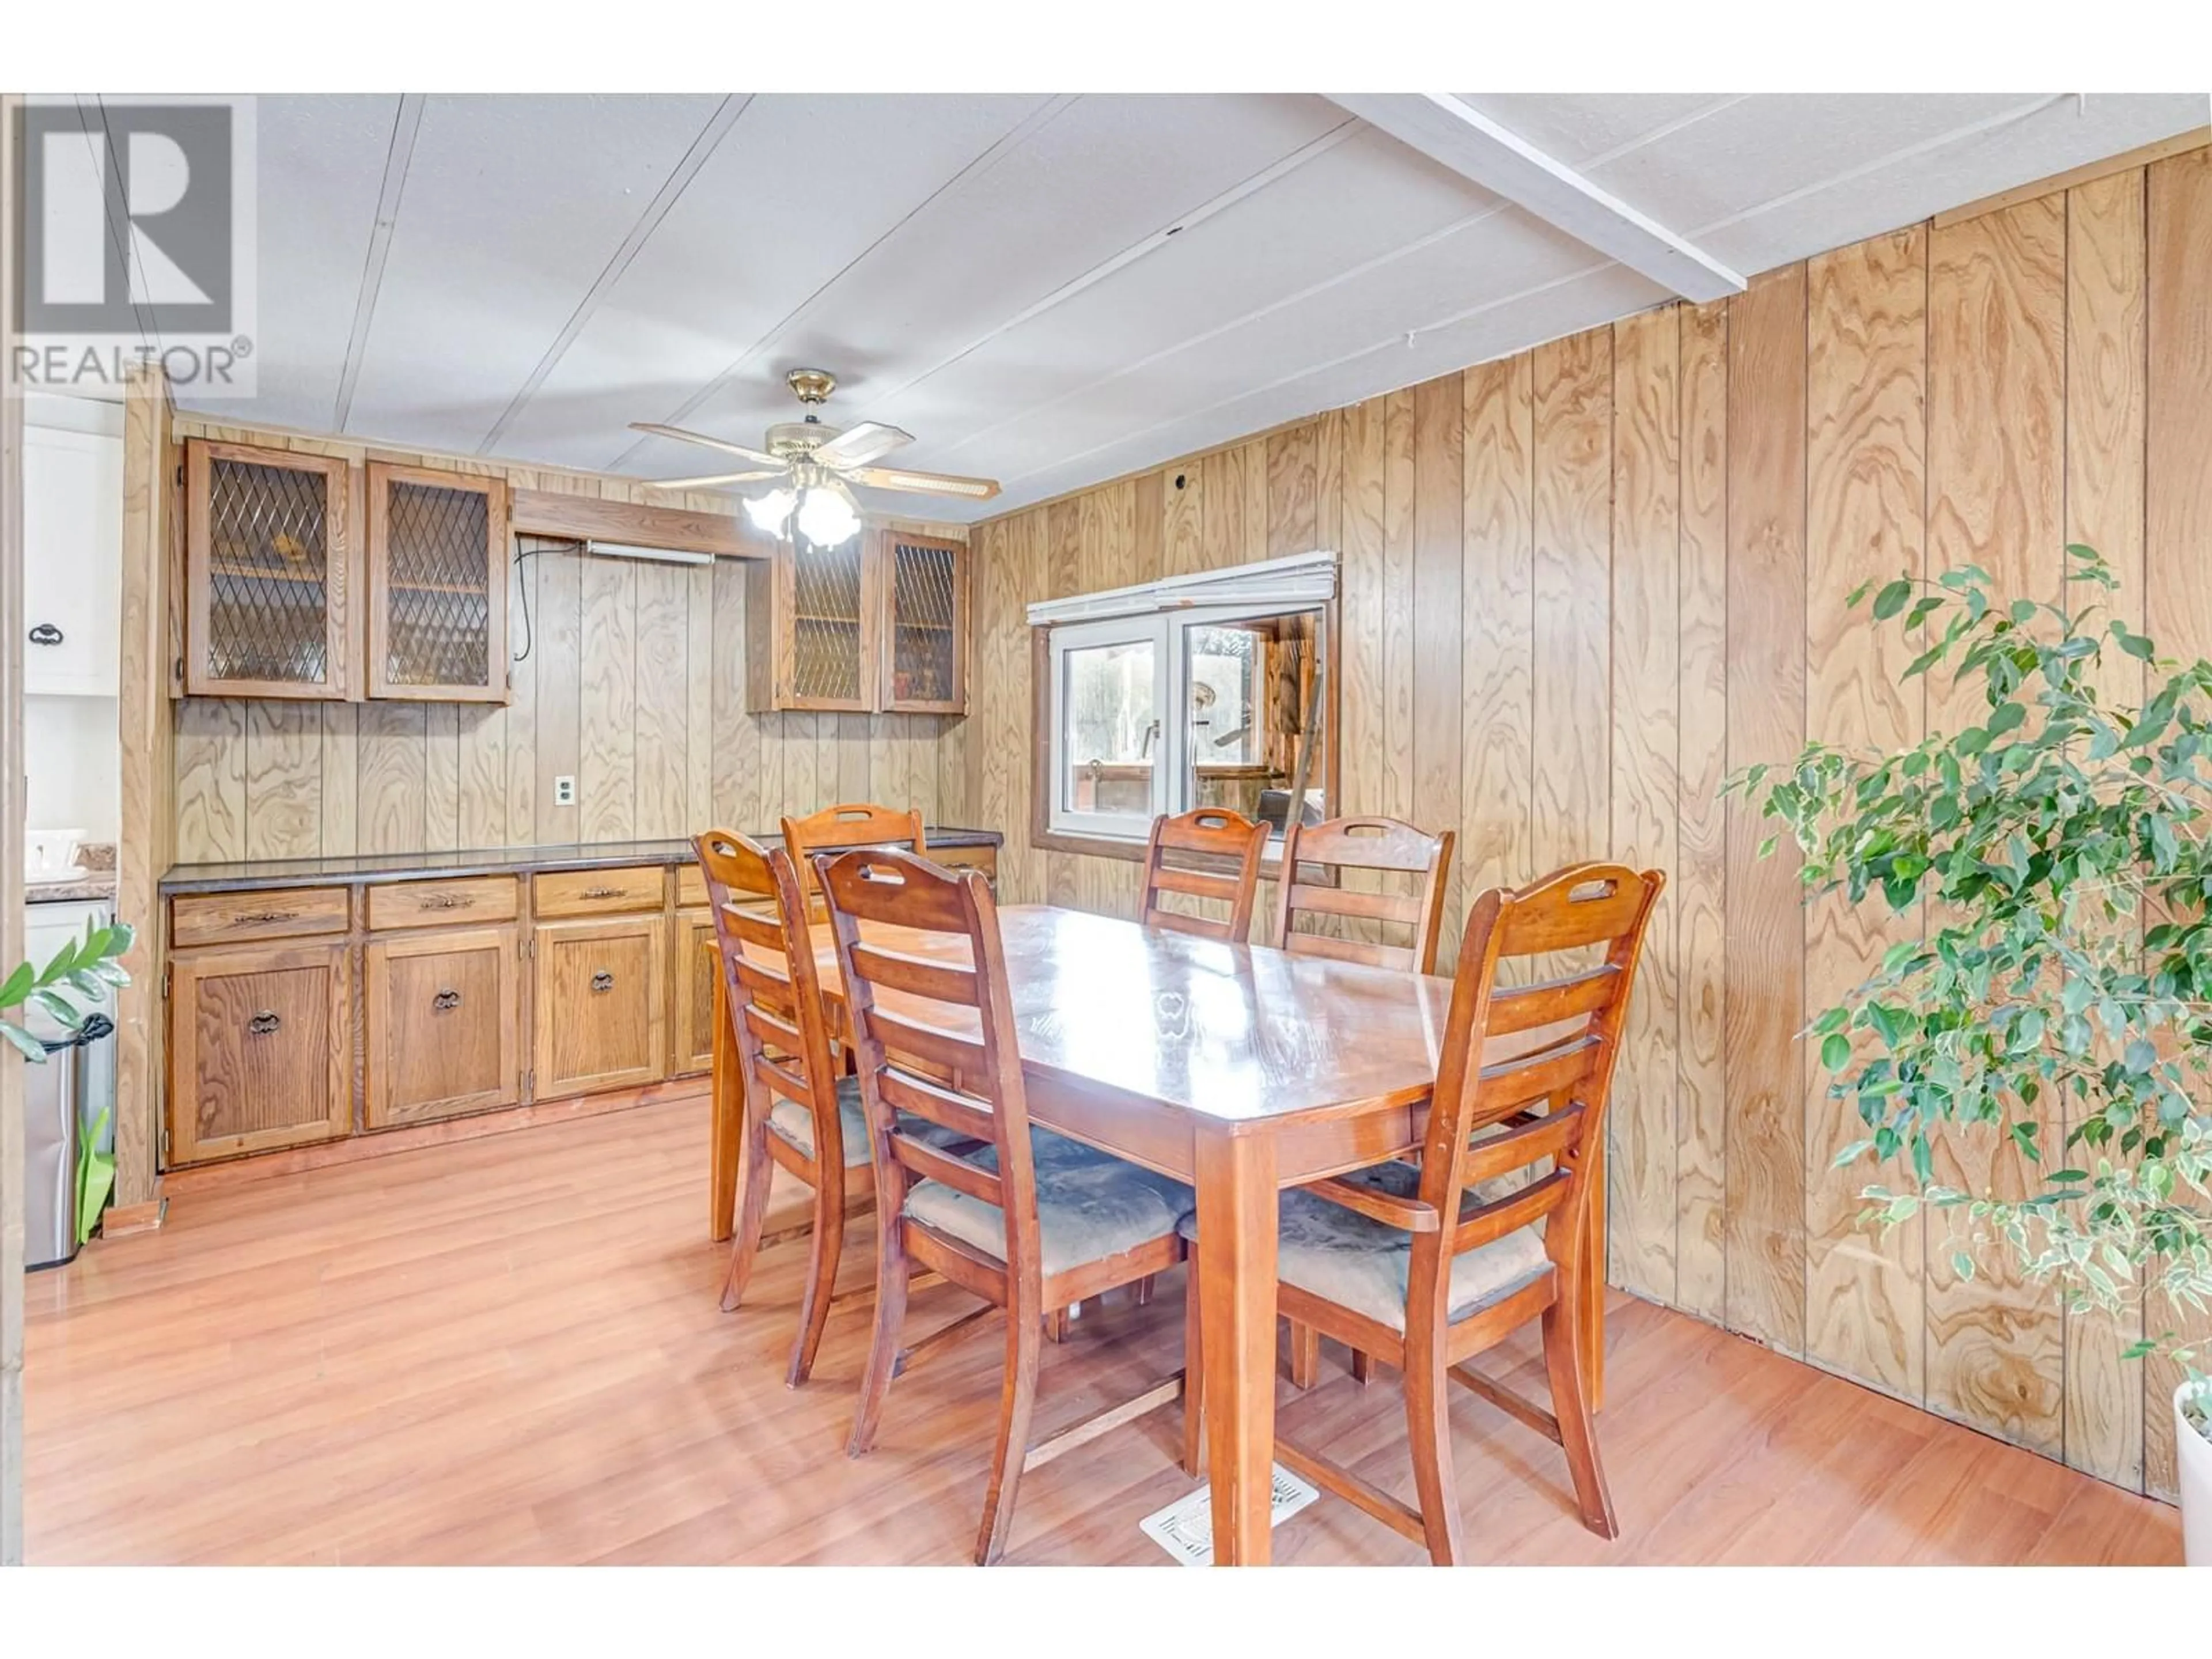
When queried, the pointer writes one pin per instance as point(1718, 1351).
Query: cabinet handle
point(262, 918)
point(262, 1023)
point(603, 892)
point(45, 634)
point(446, 1000)
point(603, 980)
point(448, 901)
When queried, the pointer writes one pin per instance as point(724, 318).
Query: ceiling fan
point(820, 464)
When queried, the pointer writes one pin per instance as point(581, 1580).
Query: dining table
point(1239, 1069)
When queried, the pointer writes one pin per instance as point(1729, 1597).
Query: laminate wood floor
point(508, 1350)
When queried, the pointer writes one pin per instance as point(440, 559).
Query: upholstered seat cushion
point(1362, 1264)
point(1090, 1205)
point(795, 1124)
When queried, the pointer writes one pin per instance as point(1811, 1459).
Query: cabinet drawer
point(260, 1050)
point(985, 858)
point(600, 892)
point(690, 887)
point(445, 1025)
point(237, 918)
point(601, 1002)
point(471, 900)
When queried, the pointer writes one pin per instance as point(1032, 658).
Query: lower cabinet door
point(260, 1049)
point(445, 1025)
point(695, 966)
point(601, 1004)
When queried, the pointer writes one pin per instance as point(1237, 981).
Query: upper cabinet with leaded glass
point(265, 573)
point(437, 585)
point(925, 636)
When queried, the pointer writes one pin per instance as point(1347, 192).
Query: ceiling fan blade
point(926, 483)
point(857, 446)
point(758, 458)
point(712, 479)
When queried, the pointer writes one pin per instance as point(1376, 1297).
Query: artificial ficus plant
point(2059, 989)
point(85, 968)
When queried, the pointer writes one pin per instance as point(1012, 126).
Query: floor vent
point(1185, 1529)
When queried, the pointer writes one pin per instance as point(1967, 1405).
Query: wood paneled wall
point(634, 684)
point(1583, 583)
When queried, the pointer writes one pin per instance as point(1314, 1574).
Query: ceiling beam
point(1448, 130)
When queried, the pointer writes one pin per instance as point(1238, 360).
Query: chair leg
point(1016, 1401)
point(1055, 1325)
point(1571, 1405)
point(823, 1252)
point(1143, 1294)
point(1363, 1367)
point(752, 1210)
point(1194, 1385)
point(1305, 1355)
point(1428, 1424)
point(883, 1349)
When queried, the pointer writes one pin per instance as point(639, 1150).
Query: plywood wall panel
point(1866, 486)
point(2106, 371)
point(441, 777)
point(2177, 546)
point(211, 760)
point(606, 765)
point(557, 647)
point(1700, 876)
point(1360, 613)
point(1644, 652)
point(1765, 937)
point(393, 783)
point(1290, 504)
point(283, 780)
point(340, 773)
point(1996, 319)
point(1439, 553)
point(1497, 630)
point(662, 779)
point(1397, 543)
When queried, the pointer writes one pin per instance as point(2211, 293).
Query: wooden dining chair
point(1429, 1266)
point(799, 1113)
point(1030, 1222)
point(848, 823)
point(1368, 844)
point(1187, 854)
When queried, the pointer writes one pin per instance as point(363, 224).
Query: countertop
point(96, 884)
point(490, 861)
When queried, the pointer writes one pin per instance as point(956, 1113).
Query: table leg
point(727, 1105)
point(1234, 1278)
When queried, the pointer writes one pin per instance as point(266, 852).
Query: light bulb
point(768, 512)
point(827, 514)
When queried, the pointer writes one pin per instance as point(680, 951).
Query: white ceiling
point(1046, 290)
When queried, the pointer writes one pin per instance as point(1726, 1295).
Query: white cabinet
point(72, 562)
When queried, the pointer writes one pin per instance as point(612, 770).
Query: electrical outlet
point(564, 791)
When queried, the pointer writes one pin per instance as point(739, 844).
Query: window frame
point(1164, 613)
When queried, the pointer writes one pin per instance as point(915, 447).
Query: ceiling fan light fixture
point(770, 512)
point(828, 515)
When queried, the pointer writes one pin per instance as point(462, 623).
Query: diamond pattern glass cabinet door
point(926, 619)
point(439, 631)
point(826, 622)
point(264, 540)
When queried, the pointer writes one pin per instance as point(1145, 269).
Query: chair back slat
point(766, 953)
point(848, 825)
point(1553, 1099)
point(935, 997)
point(1380, 845)
point(1211, 853)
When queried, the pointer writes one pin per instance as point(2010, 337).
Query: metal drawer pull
point(604, 892)
point(45, 634)
point(262, 918)
point(446, 1000)
point(262, 1023)
point(446, 900)
point(603, 980)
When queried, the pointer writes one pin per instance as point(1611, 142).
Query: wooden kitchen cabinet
point(696, 963)
point(878, 625)
point(266, 563)
point(601, 996)
point(260, 1049)
point(443, 1018)
point(437, 585)
point(925, 630)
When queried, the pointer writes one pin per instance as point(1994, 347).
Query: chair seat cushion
point(1362, 1264)
point(1090, 1205)
point(795, 1124)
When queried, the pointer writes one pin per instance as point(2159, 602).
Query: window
point(1196, 691)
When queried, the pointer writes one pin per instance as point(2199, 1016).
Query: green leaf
point(2006, 717)
point(1962, 1264)
point(33, 1050)
point(1836, 1052)
point(1892, 599)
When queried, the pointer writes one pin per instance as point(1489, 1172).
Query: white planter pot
point(2193, 1454)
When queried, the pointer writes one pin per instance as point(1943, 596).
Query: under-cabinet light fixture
point(650, 555)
